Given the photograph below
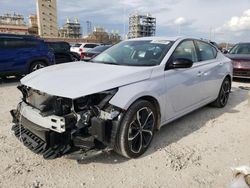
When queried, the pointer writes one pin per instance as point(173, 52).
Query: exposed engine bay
point(55, 126)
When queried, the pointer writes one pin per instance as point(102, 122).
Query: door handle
point(221, 64)
point(200, 73)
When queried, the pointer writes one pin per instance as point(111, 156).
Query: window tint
point(9, 43)
point(31, 43)
point(76, 45)
point(59, 47)
point(90, 45)
point(206, 51)
point(186, 50)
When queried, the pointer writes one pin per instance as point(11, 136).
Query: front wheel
point(37, 65)
point(223, 96)
point(136, 129)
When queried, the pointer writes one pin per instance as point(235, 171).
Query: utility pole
point(124, 23)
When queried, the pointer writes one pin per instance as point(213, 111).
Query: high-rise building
point(141, 25)
point(13, 24)
point(71, 29)
point(47, 18)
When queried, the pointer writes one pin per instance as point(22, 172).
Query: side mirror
point(180, 63)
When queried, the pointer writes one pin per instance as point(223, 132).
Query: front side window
point(135, 53)
point(186, 50)
point(206, 51)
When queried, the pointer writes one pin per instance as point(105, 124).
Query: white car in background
point(83, 47)
point(120, 98)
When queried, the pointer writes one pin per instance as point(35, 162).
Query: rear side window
point(10, 43)
point(206, 51)
point(76, 45)
point(90, 45)
point(59, 47)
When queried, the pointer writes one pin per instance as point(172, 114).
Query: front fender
point(127, 95)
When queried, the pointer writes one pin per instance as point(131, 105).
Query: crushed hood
point(77, 79)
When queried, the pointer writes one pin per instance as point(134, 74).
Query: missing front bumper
point(51, 144)
point(38, 145)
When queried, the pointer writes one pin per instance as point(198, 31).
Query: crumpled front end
point(56, 126)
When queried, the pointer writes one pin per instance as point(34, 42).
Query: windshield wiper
point(104, 62)
point(110, 63)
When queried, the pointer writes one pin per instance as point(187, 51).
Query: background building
point(141, 25)
point(33, 26)
point(100, 35)
point(71, 29)
point(47, 18)
point(13, 24)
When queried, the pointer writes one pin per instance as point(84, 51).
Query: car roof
point(156, 38)
point(174, 38)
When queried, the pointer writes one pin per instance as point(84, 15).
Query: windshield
point(240, 49)
point(135, 53)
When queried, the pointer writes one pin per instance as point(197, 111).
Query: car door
point(209, 69)
point(62, 57)
point(183, 86)
point(7, 55)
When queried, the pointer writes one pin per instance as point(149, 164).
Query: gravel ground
point(197, 150)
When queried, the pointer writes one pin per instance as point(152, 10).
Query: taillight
point(82, 55)
point(80, 50)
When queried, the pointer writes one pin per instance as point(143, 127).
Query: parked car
point(82, 47)
point(22, 54)
point(62, 52)
point(240, 56)
point(90, 54)
point(120, 98)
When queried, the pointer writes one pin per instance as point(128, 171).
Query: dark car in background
point(22, 54)
point(62, 52)
point(240, 56)
point(86, 56)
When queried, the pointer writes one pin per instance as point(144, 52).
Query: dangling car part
point(117, 101)
point(54, 126)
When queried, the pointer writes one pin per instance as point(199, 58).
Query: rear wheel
point(37, 65)
point(136, 129)
point(223, 96)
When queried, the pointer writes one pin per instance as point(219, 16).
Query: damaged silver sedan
point(118, 100)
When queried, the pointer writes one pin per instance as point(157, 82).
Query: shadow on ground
point(175, 131)
point(10, 81)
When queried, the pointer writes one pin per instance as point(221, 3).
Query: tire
point(19, 77)
point(37, 65)
point(134, 137)
point(223, 96)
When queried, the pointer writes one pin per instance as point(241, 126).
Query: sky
point(218, 20)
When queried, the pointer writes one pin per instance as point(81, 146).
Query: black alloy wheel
point(224, 93)
point(136, 129)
